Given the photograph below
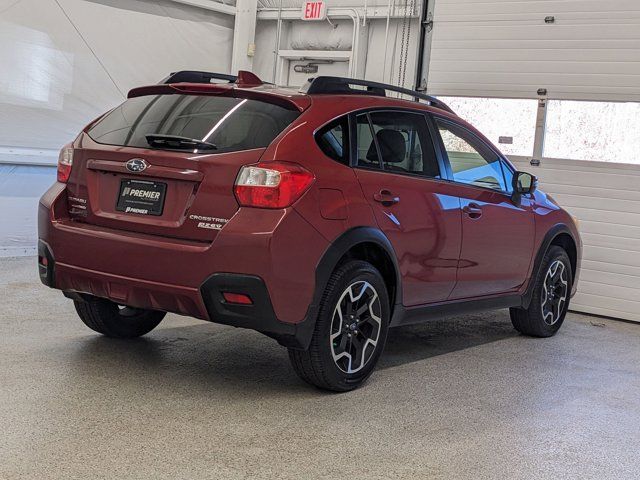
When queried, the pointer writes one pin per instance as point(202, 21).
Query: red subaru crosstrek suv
point(320, 217)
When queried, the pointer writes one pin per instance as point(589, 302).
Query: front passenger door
point(497, 233)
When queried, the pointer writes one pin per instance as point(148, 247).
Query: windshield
point(230, 124)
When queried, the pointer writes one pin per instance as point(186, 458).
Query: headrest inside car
point(392, 146)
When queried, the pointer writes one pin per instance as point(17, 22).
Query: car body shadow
point(441, 336)
point(208, 357)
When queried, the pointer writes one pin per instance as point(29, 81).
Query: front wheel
point(550, 300)
point(110, 319)
point(350, 331)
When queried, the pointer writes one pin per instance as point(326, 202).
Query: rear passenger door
point(497, 233)
point(401, 177)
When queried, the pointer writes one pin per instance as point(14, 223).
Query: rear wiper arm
point(176, 141)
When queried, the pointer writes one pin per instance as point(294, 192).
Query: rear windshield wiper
point(176, 141)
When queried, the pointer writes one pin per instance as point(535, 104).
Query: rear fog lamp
point(237, 298)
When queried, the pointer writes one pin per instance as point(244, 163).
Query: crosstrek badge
point(209, 223)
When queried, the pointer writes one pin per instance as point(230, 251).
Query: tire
point(549, 305)
point(107, 318)
point(332, 361)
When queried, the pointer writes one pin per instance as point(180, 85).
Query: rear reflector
point(239, 298)
point(65, 163)
point(272, 184)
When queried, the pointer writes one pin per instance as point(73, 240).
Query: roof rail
point(191, 76)
point(342, 85)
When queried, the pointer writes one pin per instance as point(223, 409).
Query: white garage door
point(546, 79)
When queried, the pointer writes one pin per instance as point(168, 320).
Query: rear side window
point(367, 151)
point(400, 141)
point(404, 143)
point(333, 140)
point(231, 124)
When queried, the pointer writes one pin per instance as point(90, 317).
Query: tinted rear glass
point(231, 124)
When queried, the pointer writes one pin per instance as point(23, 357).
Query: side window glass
point(471, 162)
point(405, 144)
point(367, 151)
point(333, 140)
point(508, 176)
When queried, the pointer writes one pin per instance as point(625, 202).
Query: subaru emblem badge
point(136, 165)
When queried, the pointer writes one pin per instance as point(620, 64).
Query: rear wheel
point(551, 296)
point(113, 320)
point(350, 331)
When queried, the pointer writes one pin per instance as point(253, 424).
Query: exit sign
point(314, 11)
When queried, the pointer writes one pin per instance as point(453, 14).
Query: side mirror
point(524, 183)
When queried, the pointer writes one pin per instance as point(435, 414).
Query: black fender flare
point(550, 236)
point(328, 263)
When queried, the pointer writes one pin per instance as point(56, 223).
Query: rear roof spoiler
point(244, 78)
point(241, 86)
point(193, 76)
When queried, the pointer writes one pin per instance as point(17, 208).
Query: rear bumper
point(125, 290)
point(188, 278)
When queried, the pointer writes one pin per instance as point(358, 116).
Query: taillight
point(272, 184)
point(65, 163)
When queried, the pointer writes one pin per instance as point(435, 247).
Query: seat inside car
point(393, 148)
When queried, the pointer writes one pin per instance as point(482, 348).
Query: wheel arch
point(361, 243)
point(567, 242)
point(559, 235)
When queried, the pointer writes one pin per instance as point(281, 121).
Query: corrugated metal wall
point(591, 51)
point(505, 48)
point(606, 199)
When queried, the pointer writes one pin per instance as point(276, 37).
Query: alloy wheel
point(355, 327)
point(554, 292)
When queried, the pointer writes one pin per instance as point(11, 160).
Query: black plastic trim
point(328, 263)
point(259, 316)
point(553, 232)
point(412, 315)
point(342, 86)
point(46, 273)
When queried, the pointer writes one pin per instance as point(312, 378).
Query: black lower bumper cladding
point(46, 264)
point(257, 316)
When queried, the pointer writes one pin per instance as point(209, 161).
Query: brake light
point(65, 163)
point(272, 185)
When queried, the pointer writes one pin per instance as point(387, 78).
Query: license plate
point(141, 196)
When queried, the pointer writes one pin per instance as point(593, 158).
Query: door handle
point(385, 197)
point(472, 210)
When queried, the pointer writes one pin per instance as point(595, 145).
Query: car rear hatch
point(165, 163)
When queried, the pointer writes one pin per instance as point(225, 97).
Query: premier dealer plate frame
point(128, 203)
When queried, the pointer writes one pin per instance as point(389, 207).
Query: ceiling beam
point(209, 5)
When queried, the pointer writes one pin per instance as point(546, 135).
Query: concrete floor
point(462, 399)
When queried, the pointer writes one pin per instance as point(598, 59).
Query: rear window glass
point(231, 124)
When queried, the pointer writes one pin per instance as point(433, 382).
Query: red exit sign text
point(314, 11)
